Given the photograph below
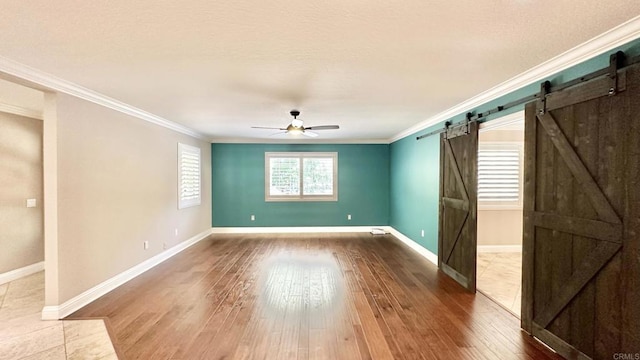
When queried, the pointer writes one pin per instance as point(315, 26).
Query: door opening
point(21, 198)
point(499, 255)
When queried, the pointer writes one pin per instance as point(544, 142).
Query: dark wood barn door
point(458, 193)
point(581, 258)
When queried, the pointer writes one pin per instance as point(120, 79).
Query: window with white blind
point(301, 176)
point(189, 172)
point(500, 175)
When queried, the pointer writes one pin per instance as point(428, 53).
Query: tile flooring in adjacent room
point(23, 335)
point(500, 278)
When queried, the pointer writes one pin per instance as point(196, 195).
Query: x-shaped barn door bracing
point(608, 230)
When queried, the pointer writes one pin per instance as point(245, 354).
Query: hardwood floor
point(310, 296)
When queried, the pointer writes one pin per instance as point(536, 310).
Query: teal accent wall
point(415, 164)
point(238, 187)
point(415, 173)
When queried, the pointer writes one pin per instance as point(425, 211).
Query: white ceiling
point(373, 67)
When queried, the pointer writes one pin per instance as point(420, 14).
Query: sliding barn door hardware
point(542, 98)
point(467, 123)
point(617, 61)
point(459, 129)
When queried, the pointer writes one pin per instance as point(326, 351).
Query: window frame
point(497, 204)
point(301, 156)
point(182, 149)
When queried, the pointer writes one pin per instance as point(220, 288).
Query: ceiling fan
point(296, 127)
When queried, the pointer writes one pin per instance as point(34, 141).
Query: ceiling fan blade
point(309, 133)
point(278, 133)
point(264, 127)
point(323, 127)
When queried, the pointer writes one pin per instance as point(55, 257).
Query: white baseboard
point(76, 303)
point(298, 229)
point(329, 229)
point(499, 248)
point(21, 272)
point(50, 313)
point(414, 245)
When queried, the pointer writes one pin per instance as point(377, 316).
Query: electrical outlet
point(31, 203)
point(253, 218)
point(176, 231)
point(146, 245)
point(349, 217)
point(422, 233)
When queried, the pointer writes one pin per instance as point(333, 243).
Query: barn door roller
point(458, 129)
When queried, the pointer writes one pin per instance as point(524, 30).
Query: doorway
point(21, 197)
point(499, 253)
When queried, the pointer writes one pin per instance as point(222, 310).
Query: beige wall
point(501, 136)
point(500, 227)
point(21, 234)
point(117, 187)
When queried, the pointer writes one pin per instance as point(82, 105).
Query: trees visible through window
point(306, 176)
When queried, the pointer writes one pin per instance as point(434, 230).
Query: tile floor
point(24, 336)
point(500, 277)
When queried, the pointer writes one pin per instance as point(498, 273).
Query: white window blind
point(301, 176)
point(189, 171)
point(499, 170)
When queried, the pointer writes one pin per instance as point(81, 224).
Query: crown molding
point(303, 141)
point(611, 39)
point(606, 41)
point(17, 110)
point(53, 83)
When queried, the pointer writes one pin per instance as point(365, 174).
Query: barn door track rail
point(611, 81)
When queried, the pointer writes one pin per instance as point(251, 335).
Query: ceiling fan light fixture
point(295, 130)
point(297, 127)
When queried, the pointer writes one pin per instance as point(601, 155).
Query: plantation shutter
point(188, 176)
point(499, 174)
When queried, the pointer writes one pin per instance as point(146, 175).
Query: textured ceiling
point(373, 67)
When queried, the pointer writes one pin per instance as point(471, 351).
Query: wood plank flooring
point(306, 296)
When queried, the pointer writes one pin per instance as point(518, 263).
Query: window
point(499, 175)
point(188, 176)
point(306, 176)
